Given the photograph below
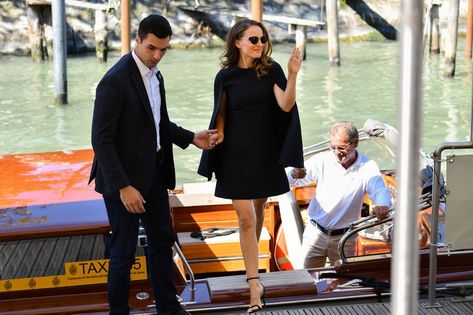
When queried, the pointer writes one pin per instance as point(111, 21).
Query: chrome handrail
point(354, 229)
point(188, 269)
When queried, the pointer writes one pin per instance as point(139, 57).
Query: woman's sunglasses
point(254, 39)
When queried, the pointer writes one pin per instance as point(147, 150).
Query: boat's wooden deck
point(222, 253)
point(46, 256)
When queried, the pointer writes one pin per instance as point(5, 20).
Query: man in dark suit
point(133, 167)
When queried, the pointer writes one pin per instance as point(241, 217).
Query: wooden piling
point(257, 10)
point(301, 38)
point(469, 29)
point(34, 33)
point(434, 38)
point(101, 36)
point(165, 8)
point(60, 50)
point(452, 38)
point(49, 35)
point(39, 30)
point(332, 32)
point(125, 26)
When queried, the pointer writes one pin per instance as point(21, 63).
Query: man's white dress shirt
point(340, 192)
point(151, 82)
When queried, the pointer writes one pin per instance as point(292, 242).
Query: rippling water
point(364, 86)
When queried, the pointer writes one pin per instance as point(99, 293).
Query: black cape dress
point(260, 138)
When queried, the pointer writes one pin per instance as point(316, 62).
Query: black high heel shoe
point(256, 307)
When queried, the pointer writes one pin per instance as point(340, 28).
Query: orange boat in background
point(46, 178)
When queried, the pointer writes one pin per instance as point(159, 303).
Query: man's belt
point(329, 232)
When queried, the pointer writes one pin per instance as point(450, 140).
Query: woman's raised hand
point(295, 60)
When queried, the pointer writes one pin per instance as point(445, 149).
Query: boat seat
point(221, 253)
point(199, 188)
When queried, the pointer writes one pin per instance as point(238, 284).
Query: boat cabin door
point(459, 206)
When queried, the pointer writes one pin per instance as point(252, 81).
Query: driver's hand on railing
point(380, 212)
point(298, 173)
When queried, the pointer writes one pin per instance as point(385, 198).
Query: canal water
point(364, 86)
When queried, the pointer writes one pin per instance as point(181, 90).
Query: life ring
point(281, 254)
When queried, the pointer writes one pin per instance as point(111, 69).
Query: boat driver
point(343, 176)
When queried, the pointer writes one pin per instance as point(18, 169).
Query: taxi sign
point(76, 273)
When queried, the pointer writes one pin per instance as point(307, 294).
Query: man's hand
point(380, 212)
point(205, 139)
point(132, 200)
point(298, 173)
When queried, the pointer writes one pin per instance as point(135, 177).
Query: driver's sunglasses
point(254, 39)
point(340, 148)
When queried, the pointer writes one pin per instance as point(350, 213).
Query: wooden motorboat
point(54, 232)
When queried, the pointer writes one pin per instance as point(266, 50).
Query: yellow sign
point(96, 271)
point(32, 283)
point(76, 273)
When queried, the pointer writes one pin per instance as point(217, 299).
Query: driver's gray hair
point(345, 127)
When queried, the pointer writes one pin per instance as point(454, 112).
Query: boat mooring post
point(301, 39)
point(332, 32)
point(257, 10)
point(469, 29)
point(452, 38)
point(58, 8)
point(433, 29)
point(405, 263)
point(125, 26)
point(101, 35)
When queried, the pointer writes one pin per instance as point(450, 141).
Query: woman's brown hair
point(231, 54)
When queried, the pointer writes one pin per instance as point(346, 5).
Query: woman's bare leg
point(249, 245)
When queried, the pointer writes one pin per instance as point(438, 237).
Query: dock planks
point(447, 307)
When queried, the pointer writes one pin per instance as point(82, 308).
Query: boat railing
point(189, 271)
point(142, 242)
point(361, 227)
point(356, 227)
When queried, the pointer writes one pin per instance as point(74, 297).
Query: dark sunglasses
point(340, 148)
point(254, 39)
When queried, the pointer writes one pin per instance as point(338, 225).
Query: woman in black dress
point(258, 134)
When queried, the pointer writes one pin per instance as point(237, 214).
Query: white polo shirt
point(340, 192)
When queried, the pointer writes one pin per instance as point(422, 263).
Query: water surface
point(364, 86)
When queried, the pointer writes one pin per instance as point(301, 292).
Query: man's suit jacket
point(124, 133)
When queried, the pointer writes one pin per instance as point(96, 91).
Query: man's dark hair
point(156, 25)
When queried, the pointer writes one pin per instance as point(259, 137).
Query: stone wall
point(14, 23)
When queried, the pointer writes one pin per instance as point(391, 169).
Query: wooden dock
point(447, 306)
point(297, 26)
